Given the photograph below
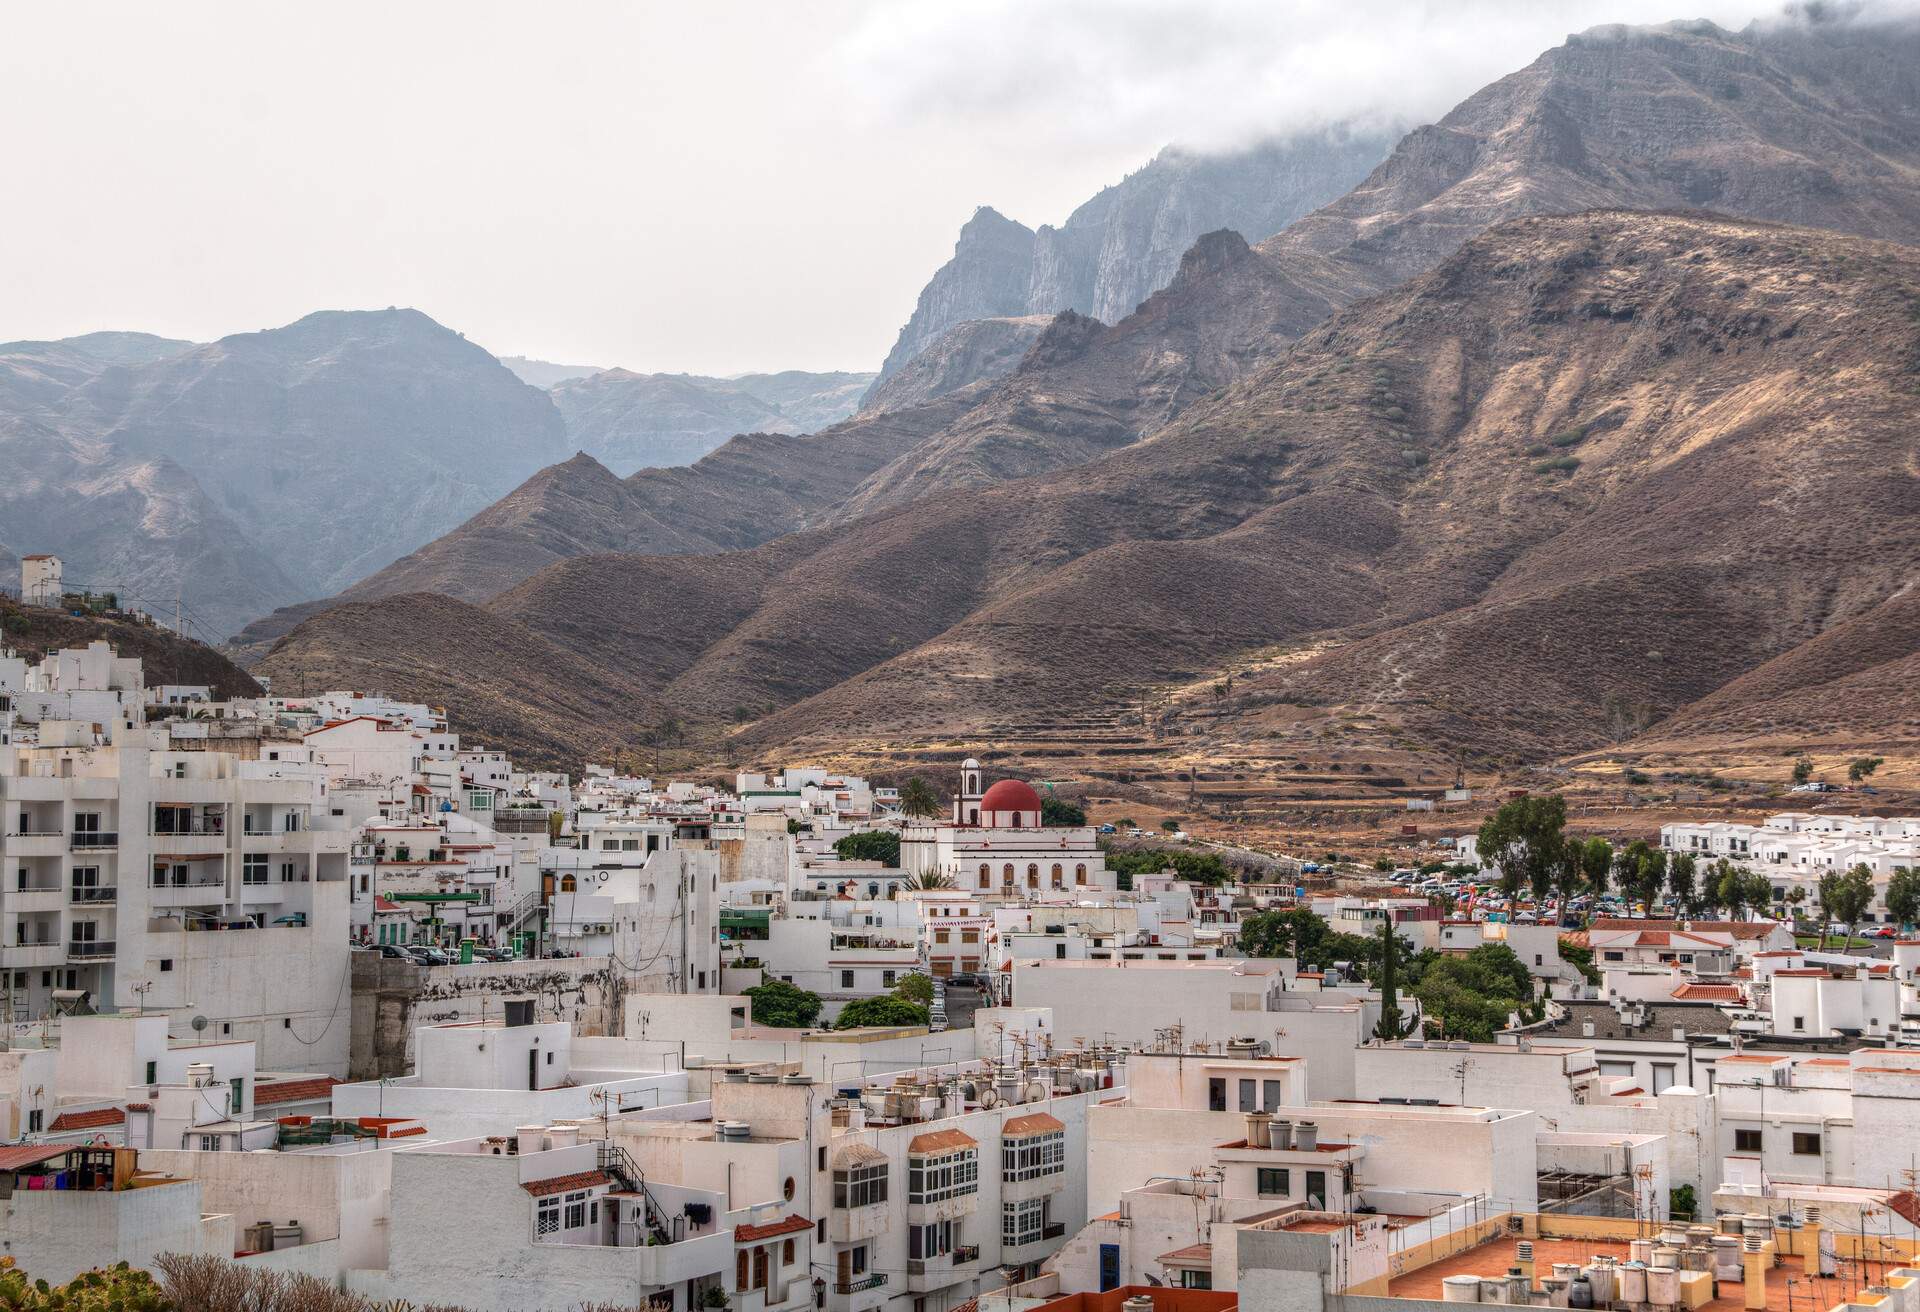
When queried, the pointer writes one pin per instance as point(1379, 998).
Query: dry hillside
point(1582, 474)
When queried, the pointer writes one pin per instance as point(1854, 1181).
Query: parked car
point(1108, 829)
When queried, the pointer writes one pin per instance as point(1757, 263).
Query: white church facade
point(994, 843)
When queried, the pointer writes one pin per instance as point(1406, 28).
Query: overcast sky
point(711, 187)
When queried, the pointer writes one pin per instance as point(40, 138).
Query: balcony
point(925, 1274)
point(855, 1284)
point(94, 841)
point(34, 842)
point(23, 955)
point(91, 950)
point(1054, 1230)
point(92, 894)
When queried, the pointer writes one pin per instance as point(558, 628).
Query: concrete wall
point(392, 998)
point(56, 1234)
point(340, 1196)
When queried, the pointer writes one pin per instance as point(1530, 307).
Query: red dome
point(1011, 795)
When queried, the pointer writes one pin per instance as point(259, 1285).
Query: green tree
point(1171, 824)
point(1845, 898)
point(1297, 933)
point(1392, 1024)
point(1474, 996)
point(1526, 839)
point(1053, 811)
point(1802, 769)
point(1581, 959)
point(886, 1011)
point(1596, 862)
point(882, 845)
point(1903, 895)
point(1732, 889)
point(1188, 863)
point(1681, 883)
point(1861, 766)
point(780, 1004)
point(917, 798)
point(915, 988)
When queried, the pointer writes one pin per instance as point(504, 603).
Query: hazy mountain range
point(1511, 379)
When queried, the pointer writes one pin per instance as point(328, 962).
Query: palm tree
point(918, 798)
point(926, 881)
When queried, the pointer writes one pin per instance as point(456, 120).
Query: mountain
point(631, 421)
point(246, 473)
point(1810, 121)
point(976, 351)
point(755, 487)
point(1127, 242)
point(1585, 459)
point(545, 373)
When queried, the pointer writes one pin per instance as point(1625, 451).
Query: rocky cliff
point(1127, 242)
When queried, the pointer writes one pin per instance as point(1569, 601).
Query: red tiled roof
point(1191, 1253)
point(560, 1184)
point(1707, 993)
point(786, 1225)
point(1037, 1123)
point(941, 1141)
point(92, 1120)
point(272, 1095)
point(18, 1157)
point(1748, 929)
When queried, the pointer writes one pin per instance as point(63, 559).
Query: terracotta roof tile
point(272, 1095)
point(786, 1225)
point(560, 1184)
point(941, 1141)
point(1037, 1123)
point(91, 1120)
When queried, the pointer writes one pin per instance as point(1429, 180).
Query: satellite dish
point(988, 1098)
point(200, 1023)
point(1037, 1091)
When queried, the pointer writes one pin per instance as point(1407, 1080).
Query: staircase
point(617, 1163)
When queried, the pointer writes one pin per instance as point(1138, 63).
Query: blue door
point(1109, 1267)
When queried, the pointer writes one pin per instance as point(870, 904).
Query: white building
point(195, 884)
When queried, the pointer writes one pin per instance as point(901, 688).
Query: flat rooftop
point(1789, 1289)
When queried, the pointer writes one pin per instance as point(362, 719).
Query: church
point(996, 844)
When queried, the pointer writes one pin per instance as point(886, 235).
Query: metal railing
point(102, 947)
point(872, 1280)
point(93, 893)
point(99, 839)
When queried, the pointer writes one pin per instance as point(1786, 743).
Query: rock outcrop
point(1127, 242)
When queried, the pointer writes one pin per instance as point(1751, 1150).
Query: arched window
point(1016, 819)
point(986, 876)
point(1033, 876)
point(567, 884)
point(1006, 872)
point(1059, 876)
point(1080, 874)
point(873, 888)
point(740, 1269)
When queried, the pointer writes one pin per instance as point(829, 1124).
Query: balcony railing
point(191, 829)
point(1053, 1230)
point(196, 881)
point(100, 947)
point(93, 893)
point(93, 841)
point(33, 833)
point(872, 1280)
